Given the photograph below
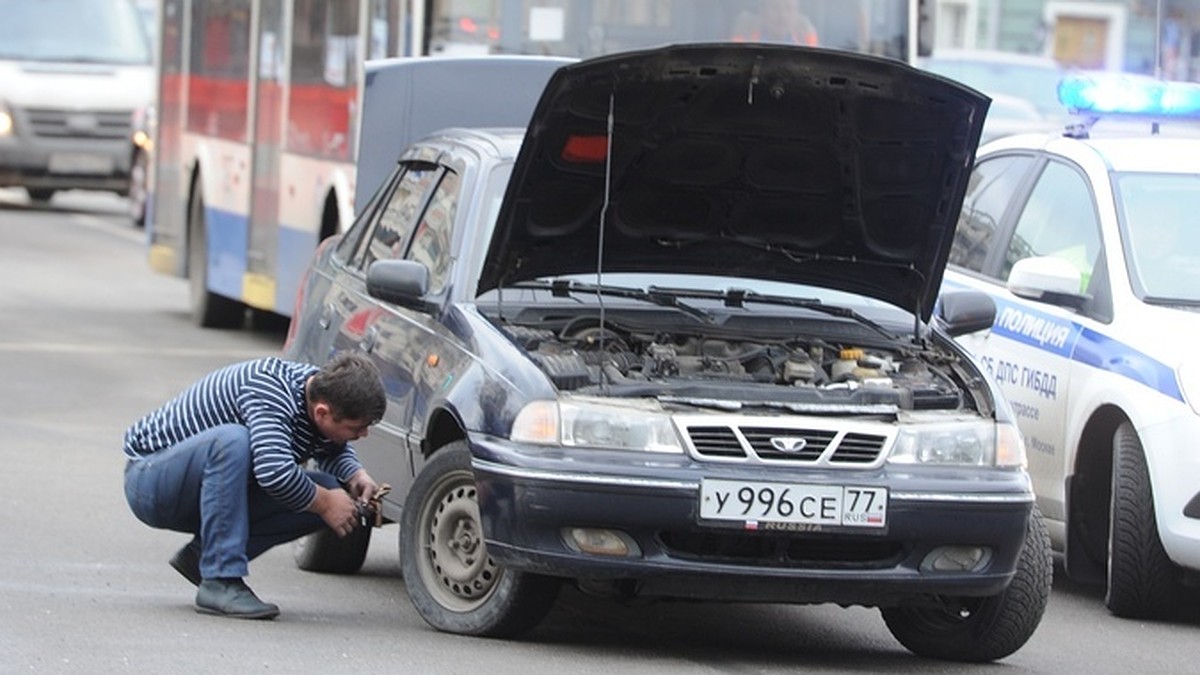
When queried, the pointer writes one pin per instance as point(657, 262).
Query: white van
point(71, 74)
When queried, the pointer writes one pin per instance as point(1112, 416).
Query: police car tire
point(977, 630)
point(1142, 580)
point(456, 592)
point(324, 551)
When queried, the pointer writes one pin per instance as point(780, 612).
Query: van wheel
point(209, 310)
point(138, 175)
point(452, 581)
point(976, 630)
point(40, 195)
point(1142, 580)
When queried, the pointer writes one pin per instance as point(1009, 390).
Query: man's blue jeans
point(203, 485)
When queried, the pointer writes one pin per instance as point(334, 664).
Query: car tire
point(977, 630)
point(137, 189)
point(324, 551)
point(209, 310)
point(1142, 580)
point(40, 195)
point(454, 584)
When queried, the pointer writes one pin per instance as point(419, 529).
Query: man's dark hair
point(352, 387)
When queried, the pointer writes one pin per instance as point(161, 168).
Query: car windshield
point(1160, 220)
point(1033, 82)
point(78, 31)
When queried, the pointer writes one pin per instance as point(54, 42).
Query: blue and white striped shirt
point(267, 397)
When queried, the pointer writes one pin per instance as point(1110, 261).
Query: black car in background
point(679, 340)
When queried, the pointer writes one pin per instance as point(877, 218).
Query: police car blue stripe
point(1070, 339)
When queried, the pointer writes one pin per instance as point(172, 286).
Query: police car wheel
point(452, 581)
point(976, 630)
point(1142, 581)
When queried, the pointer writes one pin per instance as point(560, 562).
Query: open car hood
point(774, 162)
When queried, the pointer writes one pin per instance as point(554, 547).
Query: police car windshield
point(1160, 221)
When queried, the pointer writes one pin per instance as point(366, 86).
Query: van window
point(97, 31)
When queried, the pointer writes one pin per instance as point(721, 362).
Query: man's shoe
point(186, 561)
point(232, 598)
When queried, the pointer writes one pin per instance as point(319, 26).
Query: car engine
point(617, 362)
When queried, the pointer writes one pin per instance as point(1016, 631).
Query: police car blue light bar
point(1129, 95)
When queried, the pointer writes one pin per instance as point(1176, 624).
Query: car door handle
point(326, 318)
point(369, 340)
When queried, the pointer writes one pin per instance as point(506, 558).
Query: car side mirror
point(400, 282)
point(1047, 279)
point(966, 311)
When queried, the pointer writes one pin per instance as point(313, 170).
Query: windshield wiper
point(662, 297)
point(673, 297)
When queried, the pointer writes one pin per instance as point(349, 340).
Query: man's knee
point(325, 480)
point(230, 443)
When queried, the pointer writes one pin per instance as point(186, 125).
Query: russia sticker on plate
point(794, 503)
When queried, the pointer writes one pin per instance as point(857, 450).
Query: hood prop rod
point(600, 229)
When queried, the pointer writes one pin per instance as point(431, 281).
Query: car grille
point(52, 123)
point(804, 442)
point(773, 550)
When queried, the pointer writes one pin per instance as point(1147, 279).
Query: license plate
point(793, 503)
point(80, 163)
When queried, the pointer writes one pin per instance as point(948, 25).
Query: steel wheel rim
point(454, 563)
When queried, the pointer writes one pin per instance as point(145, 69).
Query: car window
point(991, 189)
point(398, 216)
point(1158, 215)
point(431, 243)
point(1058, 220)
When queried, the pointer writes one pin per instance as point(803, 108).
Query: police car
point(1089, 243)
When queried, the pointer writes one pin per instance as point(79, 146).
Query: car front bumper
point(532, 498)
point(64, 163)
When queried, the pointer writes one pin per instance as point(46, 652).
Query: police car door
point(1050, 212)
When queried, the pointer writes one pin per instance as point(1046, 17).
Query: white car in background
point(1089, 243)
point(72, 72)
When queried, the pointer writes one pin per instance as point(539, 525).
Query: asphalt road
point(90, 339)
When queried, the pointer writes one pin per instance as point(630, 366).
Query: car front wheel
point(983, 629)
point(1141, 578)
point(452, 581)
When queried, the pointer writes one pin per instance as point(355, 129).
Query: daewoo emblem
point(788, 444)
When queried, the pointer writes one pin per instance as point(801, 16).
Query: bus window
point(583, 29)
point(324, 78)
point(218, 98)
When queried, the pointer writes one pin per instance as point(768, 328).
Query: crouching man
point(224, 460)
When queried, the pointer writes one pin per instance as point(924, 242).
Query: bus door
point(165, 226)
point(262, 252)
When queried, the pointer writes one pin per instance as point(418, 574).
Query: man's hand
point(337, 508)
point(361, 486)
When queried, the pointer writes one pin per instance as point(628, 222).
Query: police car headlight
point(577, 423)
point(1188, 376)
point(962, 443)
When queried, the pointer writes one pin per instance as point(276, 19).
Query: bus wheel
point(209, 310)
point(1141, 578)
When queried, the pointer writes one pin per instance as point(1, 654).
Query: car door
point(357, 321)
point(1030, 348)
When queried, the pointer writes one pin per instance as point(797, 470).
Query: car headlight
point(610, 425)
point(6, 121)
point(970, 443)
